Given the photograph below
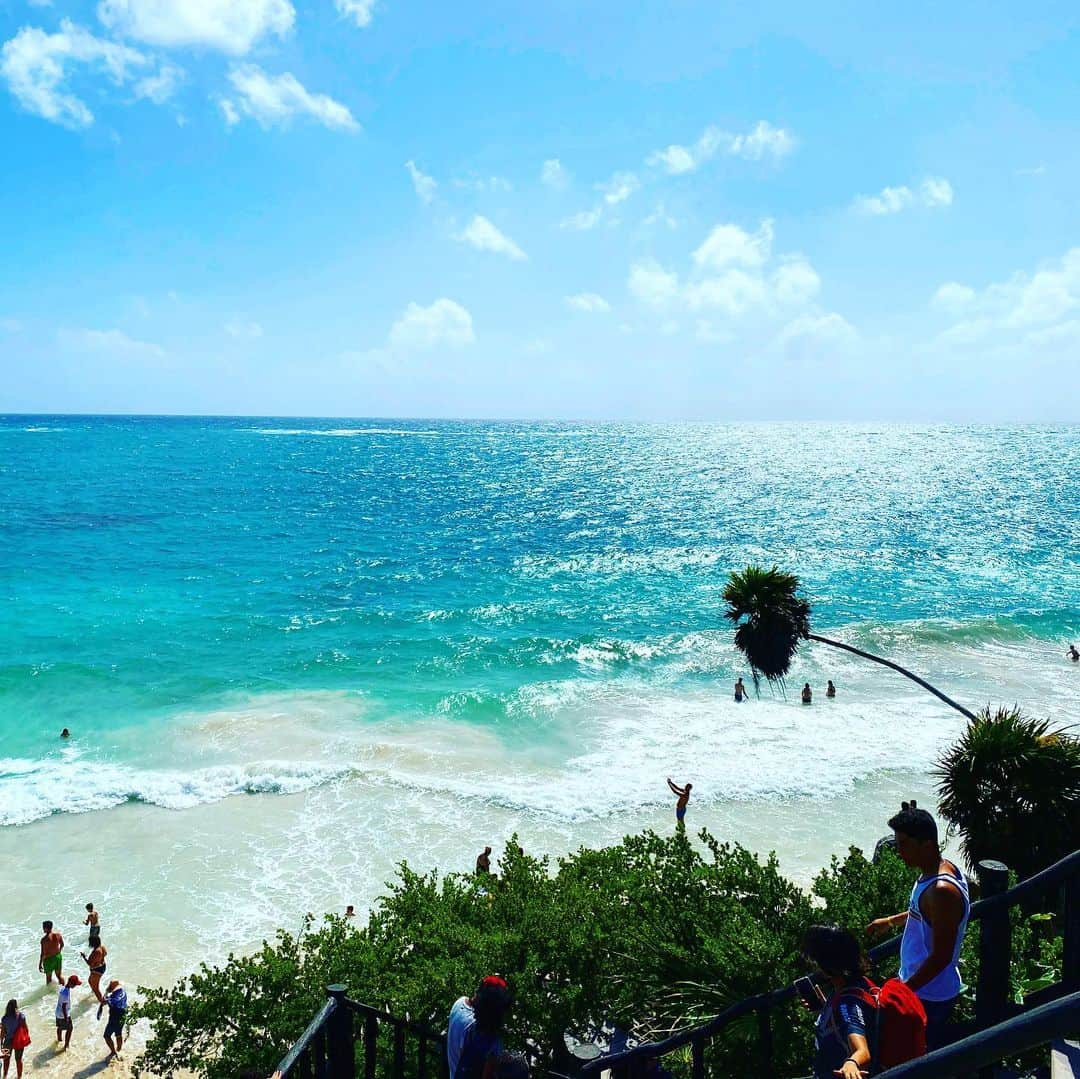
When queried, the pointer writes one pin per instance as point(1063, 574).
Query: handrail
point(412, 1025)
point(1051, 877)
point(1016, 1035)
point(304, 1041)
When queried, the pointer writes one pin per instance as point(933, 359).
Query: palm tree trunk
point(896, 667)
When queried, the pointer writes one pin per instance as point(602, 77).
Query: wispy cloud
point(590, 302)
point(360, 12)
point(423, 184)
point(934, 192)
point(763, 140)
point(442, 323)
point(484, 236)
point(554, 175)
point(273, 101)
point(114, 343)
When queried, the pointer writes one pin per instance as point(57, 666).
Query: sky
point(572, 210)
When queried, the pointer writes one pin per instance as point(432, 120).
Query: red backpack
point(899, 1021)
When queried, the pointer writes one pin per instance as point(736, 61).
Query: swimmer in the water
point(830, 689)
point(740, 691)
point(807, 695)
point(683, 794)
point(1073, 654)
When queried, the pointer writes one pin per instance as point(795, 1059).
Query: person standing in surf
point(830, 690)
point(740, 692)
point(934, 922)
point(1073, 654)
point(683, 794)
point(51, 959)
point(807, 693)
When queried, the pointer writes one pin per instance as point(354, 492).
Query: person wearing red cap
point(474, 1031)
point(64, 1025)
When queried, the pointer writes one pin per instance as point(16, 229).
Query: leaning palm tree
point(771, 618)
point(1011, 787)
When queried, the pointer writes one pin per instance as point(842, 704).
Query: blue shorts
point(115, 1026)
point(680, 813)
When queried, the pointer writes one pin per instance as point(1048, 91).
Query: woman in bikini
point(96, 962)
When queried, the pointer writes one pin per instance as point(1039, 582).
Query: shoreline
point(223, 877)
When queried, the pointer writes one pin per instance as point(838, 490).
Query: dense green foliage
point(654, 934)
point(1011, 787)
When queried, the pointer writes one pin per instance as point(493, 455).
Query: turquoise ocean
point(291, 652)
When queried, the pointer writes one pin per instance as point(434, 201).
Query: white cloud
point(649, 283)
point(483, 184)
point(762, 141)
point(423, 184)
point(360, 11)
point(660, 216)
point(553, 175)
point(933, 192)
point(590, 302)
point(953, 296)
point(619, 188)
point(228, 110)
point(936, 191)
point(795, 281)
point(484, 236)
point(583, 221)
point(733, 292)
point(114, 343)
point(730, 245)
point(231, 26)
point(274, 99)
point(36, 64)
point(421, 328)
point(829, 330)
point(243, 330)
point(1027, 307)
point(160, 87)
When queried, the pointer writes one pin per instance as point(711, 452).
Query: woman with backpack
point(843, 1027)
point(860, 1027)
point(14, 1037)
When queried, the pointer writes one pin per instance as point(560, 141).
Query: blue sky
point(594, 210)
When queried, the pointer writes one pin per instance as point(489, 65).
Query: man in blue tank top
point(934, 922)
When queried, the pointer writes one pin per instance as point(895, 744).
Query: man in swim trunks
point(51, 960)
point(807, 694)
point(740, 692)
point(683, 794)
point(92, 919)
point(1073, 654)
point(830, 690)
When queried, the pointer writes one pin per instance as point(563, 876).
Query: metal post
point(697, 1067)
point(1070, 957)
point(371, 1044)
point(995, 948)
point(765, 1037)
point(340, 1055)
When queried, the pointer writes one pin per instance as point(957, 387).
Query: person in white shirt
point(64, 1025)
point(474, 1030)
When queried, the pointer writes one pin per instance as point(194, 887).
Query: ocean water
point(291, 652)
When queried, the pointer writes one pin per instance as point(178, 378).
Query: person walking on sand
point(92, 919)
point(51, 960)
point(740, 692)
point(830, 690)
point(1073, 654)
point(116, 999)
point(683, 794)
point(96, 962)
point(14, 1037)
point(934, 922)
point(807, 693)
point(64, 1025)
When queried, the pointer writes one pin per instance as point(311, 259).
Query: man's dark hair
point(47, 926)
point(914, 822)
point(491, 1002)
point(511, 1066)
point(834, 949)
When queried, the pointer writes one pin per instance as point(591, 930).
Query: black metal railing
point(343, 1042)
point(992, 1003)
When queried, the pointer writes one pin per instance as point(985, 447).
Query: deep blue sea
point(550, 589)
